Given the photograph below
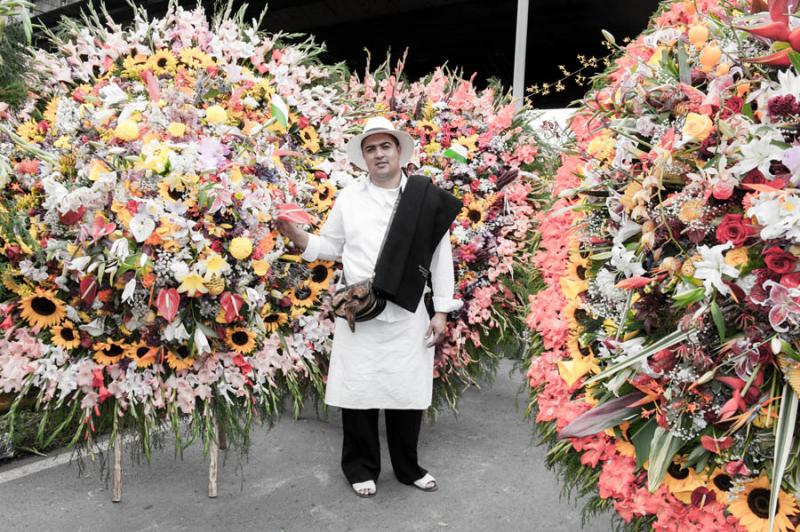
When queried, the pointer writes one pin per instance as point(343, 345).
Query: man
point(387, 362)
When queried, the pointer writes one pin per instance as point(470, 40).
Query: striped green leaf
point(784, 437)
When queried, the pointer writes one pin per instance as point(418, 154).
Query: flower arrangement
point(143, 280)
point(142, 277)
point(670, 318)
point(474, 144)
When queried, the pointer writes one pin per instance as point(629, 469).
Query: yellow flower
point(162, 62)
point(42, 308)
point(310, 139)
point(30, 131)
point(260, 267)
point(176, 129)
point(194, 57)
point(109, 352)
point(697, 127)
point(691, 210)
point(216, 264)
point(682, 481)
point(133, 65)
point(51, 110)
point(323, 196)
point(720, 483)
point(240, 247)
point(127, 130)
point(216, 114)
point(304, 295)
point(192, 285)
point(143, 354)
point(736, 257)
point(65, 336)
point(320, 274)
point(627, 200)
point(273, 320)
point(179, 359)
point(240, 340)
point(601, 147)
point(750, 506)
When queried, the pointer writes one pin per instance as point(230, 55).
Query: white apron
point(384, 364)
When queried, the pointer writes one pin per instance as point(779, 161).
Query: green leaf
point(794, 57)
point(747, 110)
point(662, 450)
point(719, 321)
point(641, 441)
point(784, 437)
point(663, 343)
point(684, 299)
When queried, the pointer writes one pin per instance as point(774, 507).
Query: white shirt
point(354, 232)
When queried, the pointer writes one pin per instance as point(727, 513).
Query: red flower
point(791, 280)
point(779, 260)
point(734, 229)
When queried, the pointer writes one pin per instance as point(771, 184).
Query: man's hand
point(293, 232)
point(436, 329)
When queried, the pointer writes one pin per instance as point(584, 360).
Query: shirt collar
point(375, 191)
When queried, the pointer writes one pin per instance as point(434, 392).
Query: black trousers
point(361, 450)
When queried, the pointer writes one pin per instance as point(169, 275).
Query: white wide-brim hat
point(379, 124)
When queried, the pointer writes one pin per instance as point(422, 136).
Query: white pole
point(519, 53)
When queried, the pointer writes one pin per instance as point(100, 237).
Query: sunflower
point(720, 483)
point(42, 308)
point(240, 340)
point(475, 211)
point(681, 481)
point(179, 358)
point(109, 352)
point(195, 58)
point(133, 65)
point(65, 336)
point(750, 506)
point(170, 192)
point(162, 62)
point(310, 139)
point(304, 295)
point(273, 320)
point(143, 354)
point(320, 274)
point(323, 196)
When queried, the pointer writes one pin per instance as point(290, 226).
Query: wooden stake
point(116, 471)
point(213, 462)
point(223, 439)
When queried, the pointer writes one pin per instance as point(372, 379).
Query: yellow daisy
point(750, 506)
point(65, 336)
point(240, 340)
point(42, 308)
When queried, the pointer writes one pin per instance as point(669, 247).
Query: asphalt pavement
point(491, 478)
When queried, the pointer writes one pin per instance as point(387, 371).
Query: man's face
point(382, 155)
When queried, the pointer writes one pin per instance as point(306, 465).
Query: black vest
point(423, 215)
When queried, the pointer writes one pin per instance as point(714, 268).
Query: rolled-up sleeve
point(443, 277)
point(329, 243)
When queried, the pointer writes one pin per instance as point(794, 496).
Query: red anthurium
point(88, 289)
point(101, 228)
point(293, 213)
point(715, 445)
point(72, 217)
point(168, 302)
point(231, 303)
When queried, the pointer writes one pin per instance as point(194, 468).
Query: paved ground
point(491, 479)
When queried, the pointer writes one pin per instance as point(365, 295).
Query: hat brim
point(356, 157)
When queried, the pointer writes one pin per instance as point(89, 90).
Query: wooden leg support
point(223, 439)
point(116, 471)
point(213, 462)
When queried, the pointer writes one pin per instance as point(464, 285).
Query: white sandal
point(426, 483)
point(365, 489)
